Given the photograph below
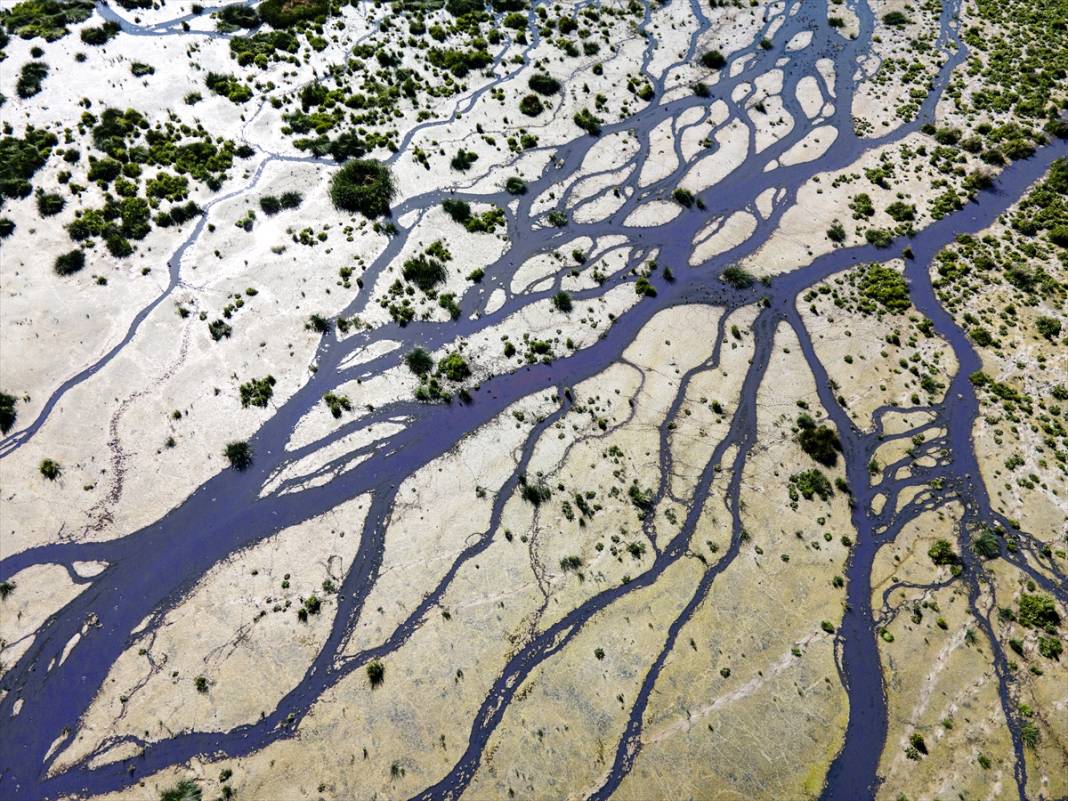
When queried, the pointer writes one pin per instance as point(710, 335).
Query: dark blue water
point(149, 571)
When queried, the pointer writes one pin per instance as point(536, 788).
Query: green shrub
point(738, 278)
point(901, 212)
point(713, 60)
point(376, 673)
point(31, 76)
point(423, 271)
point(7, 227)
point(337, 403)
point(239, 15)
point(515, 186)
point(257, 392)
point(819, 442)
point(879, 237)
point(50, 469)
point(239, 454)
point(419, 362)
point(453, 367)
point(810, 483)
point(49, 204)
point(562, 301)
point(185, 790)
point(229, 87)
point(942, 553)
point(895, 18)
point(100, 35)
point(69, 263)
point(459, 210)
point(544, 84)
point(1050, 647)
point(45, 18)
point(588, 122)
point(463, 160)
point(7, 412)
point(364, 186)
point(1038, 611)
point(986, 544)
point(531, 105)
point(884, 286)
point(1048, 327)
point(570, 564)
point(219, 329)
point(284, 13)
point(684, 197)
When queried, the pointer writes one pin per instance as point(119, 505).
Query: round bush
point(69, 263)
point(363, 185)
point(713, 59)
point(283, 13)
point(544, 84)
point(531, 106)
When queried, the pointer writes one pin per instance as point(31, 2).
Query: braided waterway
point(150, 571)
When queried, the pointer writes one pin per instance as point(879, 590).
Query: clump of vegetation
point(337, 403)
point(588, 122)
point(810, 483)
point(515, 186)
point(238, 15)
point(942, 553)
point(531, 105)
point(460, 211)
point(365, 186)
point(31, 76)
point(986, 544)
point(419, 362)
point(544, 84)
point(534, 493)
point(219, 329)
point(271, 204)
point(884, 287)
point(376, 673)
point(185, 790)
point(684, 197)
point(20, 159)
point(424, 271)
point(738, 278)
point(50, 469)
point(819, 442)
point(49, 204)
point(562, 301)
point(285, 13)
point(8, 414)
point(453, 367)
point(570, 564)
point(100, 35)
point(239, 454)
point(1038, 612)
point(713, 60)
point(45, 18)
point(257, 392)
point(69, 263)
point(229, 87)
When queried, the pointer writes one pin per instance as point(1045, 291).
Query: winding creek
point(150, 571)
